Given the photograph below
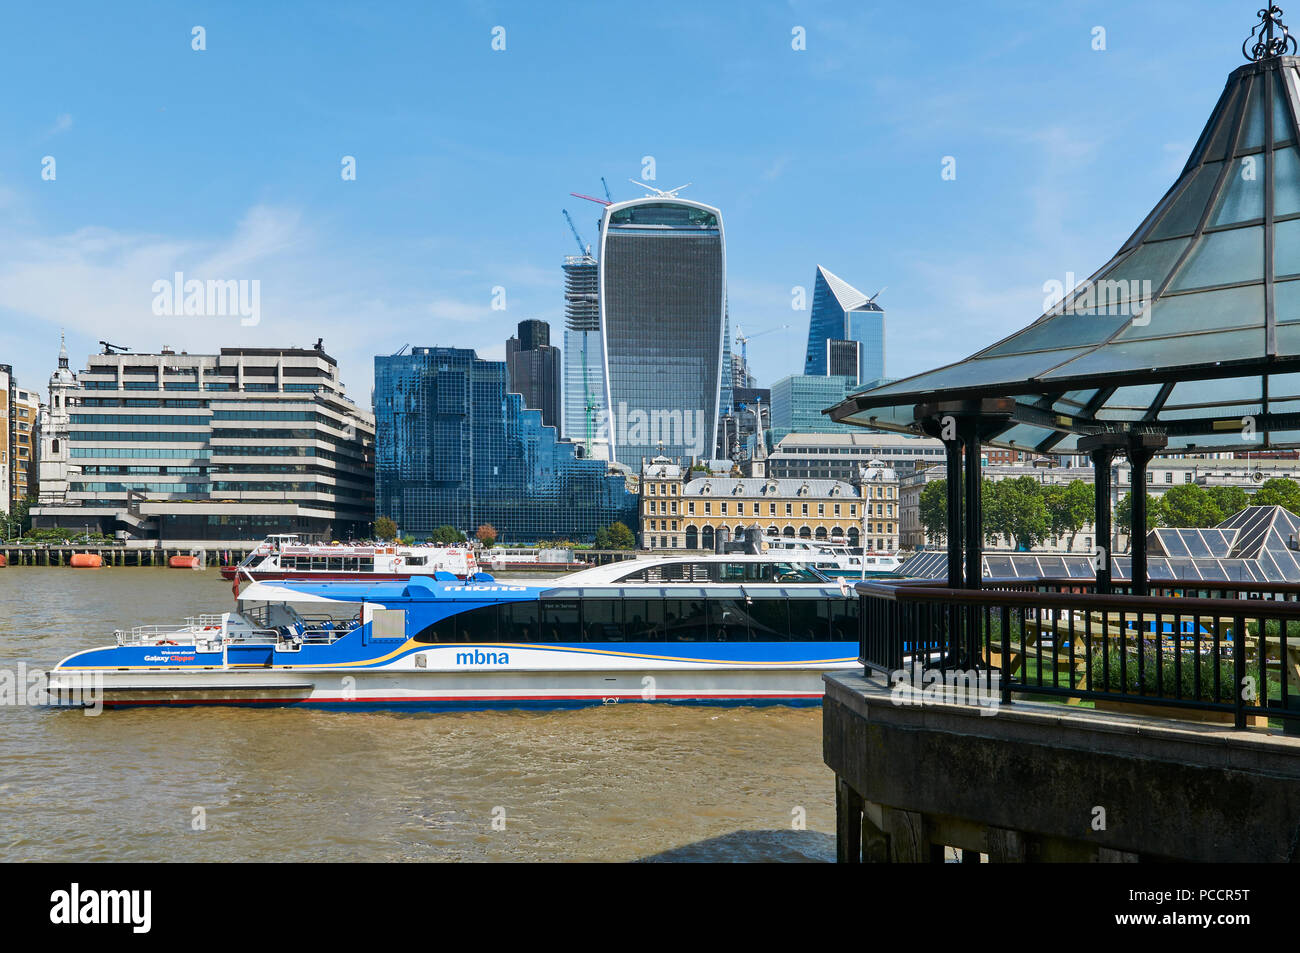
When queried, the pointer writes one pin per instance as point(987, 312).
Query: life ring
point(397, 561)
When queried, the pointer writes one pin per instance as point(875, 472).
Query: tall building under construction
point(584, 372)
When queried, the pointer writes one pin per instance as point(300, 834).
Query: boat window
point(844, 620)
point(728, 621)
point(685, 620)
point(560, 620)
point(745, 572)
point(367, 563)
point(809, 619)
point(336, 564)
point(798, 572)
point(643, 620)
point(472, 626)
point(416, 560)
point(602, 620)
point(387, 623)
point(519, 621)
point(769, 619)
point(478, 625)
point(762, 616)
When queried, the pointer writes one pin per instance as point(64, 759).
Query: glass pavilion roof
point(1191, 329)
point(1255, 545)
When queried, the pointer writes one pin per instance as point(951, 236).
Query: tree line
point(616, 535)
point(1024, 512)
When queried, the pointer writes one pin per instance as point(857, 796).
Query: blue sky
point(225, 163)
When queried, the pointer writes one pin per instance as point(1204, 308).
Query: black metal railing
point(1218, 651)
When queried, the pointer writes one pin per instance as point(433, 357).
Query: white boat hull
point(442, 689)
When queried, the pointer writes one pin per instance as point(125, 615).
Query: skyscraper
point(584, 372)
point(534, 368)
point(663, 298)
point(846, 333)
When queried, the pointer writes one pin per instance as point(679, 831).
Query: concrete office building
point(237, 445)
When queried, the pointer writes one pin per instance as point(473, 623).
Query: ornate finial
point(1267, 43)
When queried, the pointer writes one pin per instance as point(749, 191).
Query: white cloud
point(62, 124)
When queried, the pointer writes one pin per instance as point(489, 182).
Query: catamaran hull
point(361, 689)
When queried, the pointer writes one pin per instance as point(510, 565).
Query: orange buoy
point(85, 561)
point(3, 561)
point(183, 562)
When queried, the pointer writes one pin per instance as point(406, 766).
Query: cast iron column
point(1102, 448)
point(1141, 448)
point(1101, 461)
point(952, 450)
point(974, 510)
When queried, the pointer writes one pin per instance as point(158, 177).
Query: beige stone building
point(683, 508)
point(19, 416)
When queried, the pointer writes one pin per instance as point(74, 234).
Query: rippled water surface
point(618, 783)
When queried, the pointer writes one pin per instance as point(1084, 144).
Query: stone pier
point(1051, 782)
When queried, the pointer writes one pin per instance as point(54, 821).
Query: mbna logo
point(478, 657)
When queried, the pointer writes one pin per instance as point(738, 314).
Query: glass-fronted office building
point(846, 332)
point(455, 447)
point(662, 307)
point(799, 399)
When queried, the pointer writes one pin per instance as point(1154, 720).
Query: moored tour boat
point(284, 557)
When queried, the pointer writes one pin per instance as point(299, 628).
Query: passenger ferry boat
point(284, 557)
point(697, 630)
point(833, 559)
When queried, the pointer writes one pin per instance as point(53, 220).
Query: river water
point(618, 783)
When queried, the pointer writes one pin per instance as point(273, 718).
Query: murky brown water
point(618, 783)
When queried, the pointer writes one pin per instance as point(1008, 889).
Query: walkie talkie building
point(662, 304)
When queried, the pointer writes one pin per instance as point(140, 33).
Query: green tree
point(1081, 503)
point(19, 522)
point(1190, 506)
point(1278, 491)
point(616, 535)
point(447, 534)
point(385, 528)
point(1229, 499)
point(1124, 514)
point(1015, 509)
point(934, 510)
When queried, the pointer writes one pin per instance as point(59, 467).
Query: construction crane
point(606, 187)
point(590, 198)
point(744, 340)
point(583, 249)
point(113, 348)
